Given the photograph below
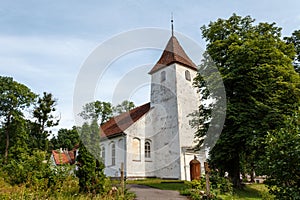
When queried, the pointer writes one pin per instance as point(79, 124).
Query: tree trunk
point(252, 174)
point(236, 181)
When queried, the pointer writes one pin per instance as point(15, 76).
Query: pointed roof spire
point(172, 25)
point(173, 53)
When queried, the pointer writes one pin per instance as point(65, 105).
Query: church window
point(103, 154)
point(147, 149)
point(136, 149)
point(188, 75)
point(113, 154)
point(120, 144)
point(162, 76)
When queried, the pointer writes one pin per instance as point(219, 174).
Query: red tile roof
point(118, 124)
point(173, 53)
point(64, 157)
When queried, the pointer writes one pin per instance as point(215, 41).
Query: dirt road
point(147, 193)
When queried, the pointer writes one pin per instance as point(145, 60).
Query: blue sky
point(43, 44)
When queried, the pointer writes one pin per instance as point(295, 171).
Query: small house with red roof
point(63, 156)
point(156, 139)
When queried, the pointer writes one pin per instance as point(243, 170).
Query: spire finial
point(172, 26)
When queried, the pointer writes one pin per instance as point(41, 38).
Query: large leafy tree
point(261, 86)
point(97, 110)
point(14, 98)
point(125, 106)
point(295, 40)
point(103, 111)
point(44, 119)
point(66, 138)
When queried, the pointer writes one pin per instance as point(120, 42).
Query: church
point(156, 139)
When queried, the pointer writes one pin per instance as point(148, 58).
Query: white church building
point(156, 139)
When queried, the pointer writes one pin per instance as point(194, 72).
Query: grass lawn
point(249, 192)
point(161, 184)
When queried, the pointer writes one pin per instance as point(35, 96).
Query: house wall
point(120, 142)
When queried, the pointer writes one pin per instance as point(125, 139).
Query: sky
point(44, 44)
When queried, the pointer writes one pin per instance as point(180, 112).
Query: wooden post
point(122, 178)
point(207, 171)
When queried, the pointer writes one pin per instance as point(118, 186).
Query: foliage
point(43, 114)
point(295, 40)
point(69, 190)
point(28, 168)
point(125, 106)
point(261, 86)
point(97, 110)
point(90, 168)
point(14, 98)
point(66, 138)
point(281, 163)
point(103, 111)
point(90, 172)
point(220, 183)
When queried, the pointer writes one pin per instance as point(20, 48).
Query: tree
point(125, 106)
point(14, 98)
point(261, 86)
point(281, 163)
point(66, 138)
point(295, 40)
point(43, 114)
point(98, 110)
point(103, 111)
point(90, 168)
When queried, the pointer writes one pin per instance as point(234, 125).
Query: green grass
point(249, 192)
point(161, 184)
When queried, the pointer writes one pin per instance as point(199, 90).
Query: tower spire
point(172, 26)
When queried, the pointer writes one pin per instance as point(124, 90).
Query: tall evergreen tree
point(44, 118)
point(90, 168)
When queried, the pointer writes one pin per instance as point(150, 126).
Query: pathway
point(148, 193)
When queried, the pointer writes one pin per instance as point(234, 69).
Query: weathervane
point(172, 26)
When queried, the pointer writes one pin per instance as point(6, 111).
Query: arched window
point(103, 154)
point(113, 154)
point(136, 149)
point(147, 149)
point(162, 76)
point(188, 75)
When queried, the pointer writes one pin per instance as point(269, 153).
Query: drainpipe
point(184, 164)
point(125, 155)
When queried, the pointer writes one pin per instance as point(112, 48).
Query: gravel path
point(148, 193)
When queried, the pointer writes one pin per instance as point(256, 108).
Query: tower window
point(162, 76)
point(147, 149)
point(188, 75)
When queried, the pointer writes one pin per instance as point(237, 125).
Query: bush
point(28, 169)
point(281, 162)
point(220, 183)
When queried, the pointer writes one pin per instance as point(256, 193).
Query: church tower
point(173, 98)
